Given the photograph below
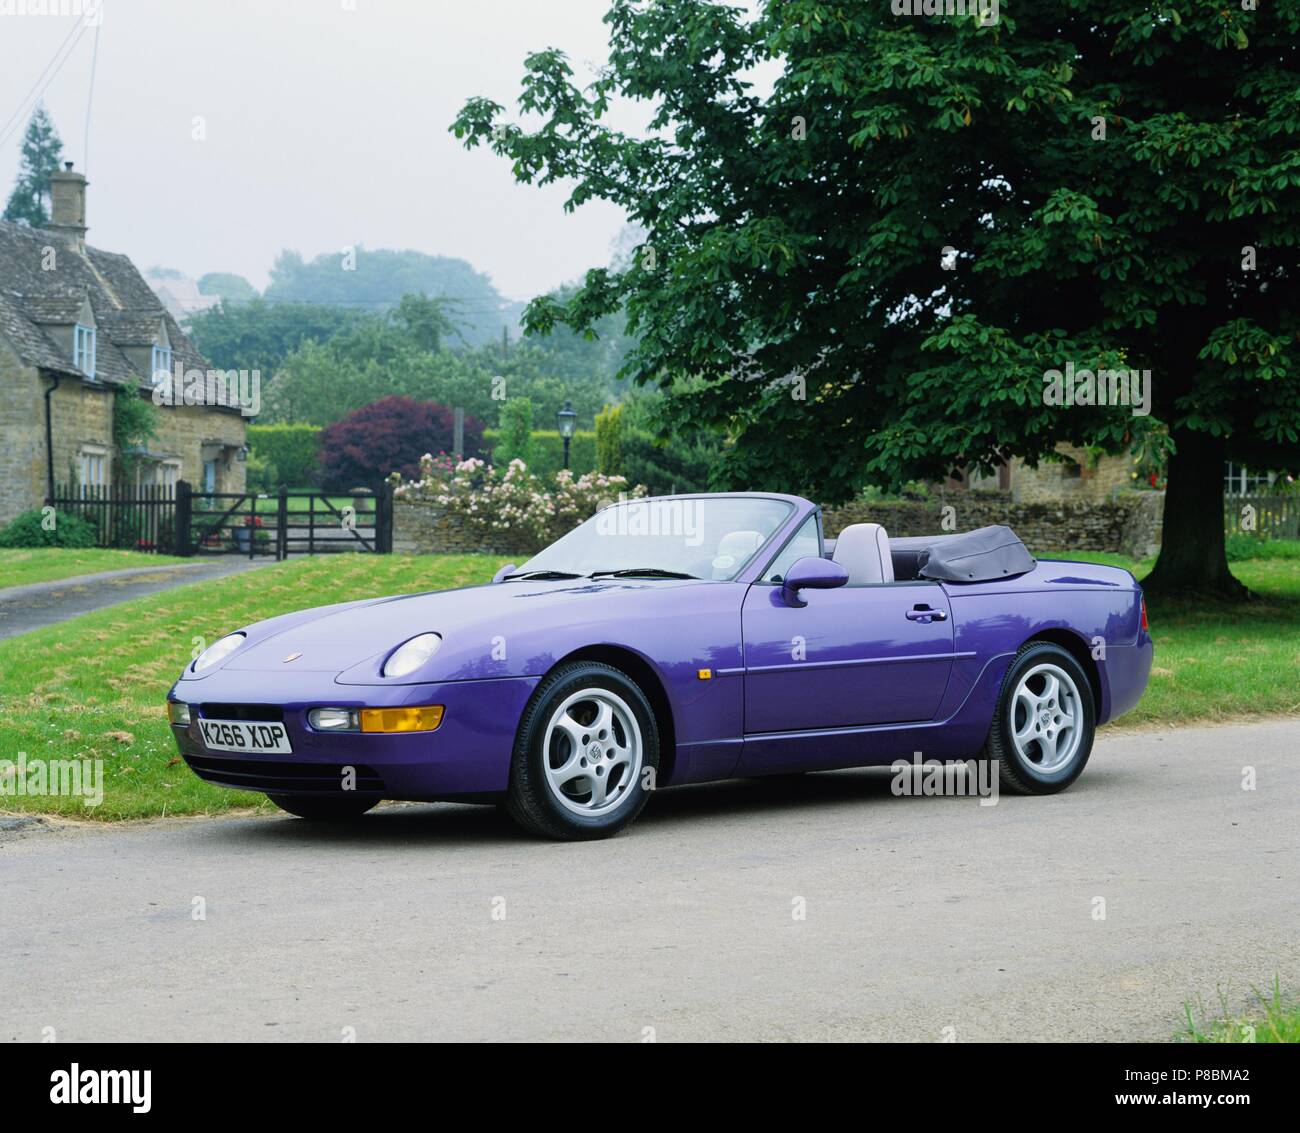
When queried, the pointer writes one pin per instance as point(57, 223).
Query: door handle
point(925, 615)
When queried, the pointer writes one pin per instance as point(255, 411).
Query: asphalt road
point(921, 913)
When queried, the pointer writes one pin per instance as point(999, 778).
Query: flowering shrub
point(491, 501)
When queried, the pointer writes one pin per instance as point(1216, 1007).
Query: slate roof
point(127, 312)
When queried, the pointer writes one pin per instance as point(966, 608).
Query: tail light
point(1144, 612)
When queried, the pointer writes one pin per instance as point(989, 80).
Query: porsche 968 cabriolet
point(671, 641)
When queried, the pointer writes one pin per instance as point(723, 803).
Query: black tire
point(531, 800)
point(1018, 772)
point(325, 808)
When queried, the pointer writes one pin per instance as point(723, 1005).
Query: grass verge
point(1221, 661)
point(49, 564)
point(1270, 1020)
point(93, 687)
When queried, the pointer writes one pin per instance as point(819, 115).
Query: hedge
point(548, 451)
point(292, 450)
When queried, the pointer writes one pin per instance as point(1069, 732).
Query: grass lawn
point(48, 564)
point(268, 502)
point(1217, 662)
point(94, 686)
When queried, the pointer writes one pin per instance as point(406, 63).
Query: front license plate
point(245, 735)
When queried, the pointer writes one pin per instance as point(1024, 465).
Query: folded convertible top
point(981, 555)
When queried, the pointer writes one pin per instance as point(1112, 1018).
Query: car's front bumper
point(468, 754)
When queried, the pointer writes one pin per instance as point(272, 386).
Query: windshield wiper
point(640, 572)
point(541, 574)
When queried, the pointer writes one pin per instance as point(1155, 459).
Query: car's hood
point(353, 640)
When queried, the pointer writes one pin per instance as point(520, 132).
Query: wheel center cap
point(1044, 717)
point(594, 751)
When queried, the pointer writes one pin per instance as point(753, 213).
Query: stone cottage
point(76, 325)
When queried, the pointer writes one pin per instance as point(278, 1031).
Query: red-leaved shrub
point(389, 435)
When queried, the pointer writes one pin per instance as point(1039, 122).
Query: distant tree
point(227, 286)
point(596, 353)
point(377, 280)
point(389, 436)
point(425, 320)
point(515, 433)
point(258, 335)
point(40, 153)
point(379, 357)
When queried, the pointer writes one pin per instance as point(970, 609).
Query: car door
point(853, 656)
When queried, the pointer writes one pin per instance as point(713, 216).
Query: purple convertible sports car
point(668, 641)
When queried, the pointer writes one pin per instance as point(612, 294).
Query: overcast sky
point(326, 126)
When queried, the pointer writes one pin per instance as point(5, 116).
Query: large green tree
point(874, 263)
point(40, 153)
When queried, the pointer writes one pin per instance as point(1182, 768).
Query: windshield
point(700, 537)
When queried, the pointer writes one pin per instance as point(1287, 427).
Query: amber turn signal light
point(423, 719)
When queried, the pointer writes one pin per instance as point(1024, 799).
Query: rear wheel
point(585, 744)
point(325, 807)
point(1045, 722)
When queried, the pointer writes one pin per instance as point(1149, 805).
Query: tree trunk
point(1192, 559)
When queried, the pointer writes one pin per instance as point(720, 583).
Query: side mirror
point(509, 568)
point(811, 573)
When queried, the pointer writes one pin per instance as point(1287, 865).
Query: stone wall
point(1128, 523)
point(22, 437)
point(193, 432)
point(422, 528)
point(82, 417)
point(1079, 478)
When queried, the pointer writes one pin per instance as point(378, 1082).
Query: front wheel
point(585, 755)
point(325, 808)
point(1045, 721)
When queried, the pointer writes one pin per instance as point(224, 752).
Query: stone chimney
point(68, 206)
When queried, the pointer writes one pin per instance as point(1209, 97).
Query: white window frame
point(158, 473)
point(92, 466)
point(1238, 480)
point(83, 348)
point(160, 364)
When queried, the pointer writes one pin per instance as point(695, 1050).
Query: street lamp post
point(566, 421)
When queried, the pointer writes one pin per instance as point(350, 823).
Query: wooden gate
point(282, 524)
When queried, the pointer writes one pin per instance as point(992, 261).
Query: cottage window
point(160, 366)
point(158, 474)
point(92, 468)
point(1238, 480)
point(83, 353)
